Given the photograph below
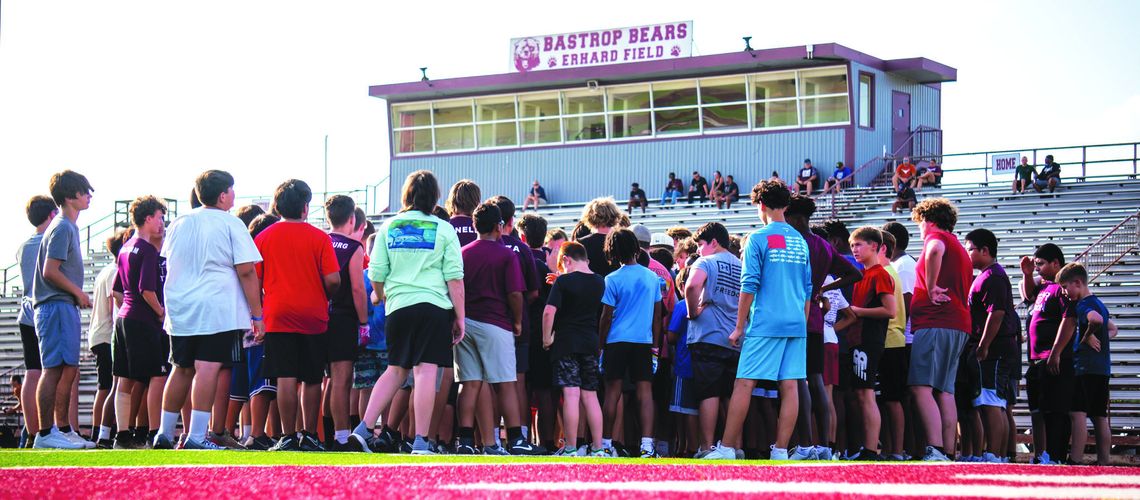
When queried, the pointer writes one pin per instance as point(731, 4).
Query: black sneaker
point(523, 447)
point(866, 455)
point(466, 449)
point(259, 443)
point(287, 443)
point(105, 444)
point(404, 447)
point(124, 441)
point(161, 442)
point(351, 446)
point(309, 442)
point(387, 441)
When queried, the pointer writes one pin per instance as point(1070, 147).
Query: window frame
point(869, 98)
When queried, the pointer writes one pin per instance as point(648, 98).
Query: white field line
point(1103, 479)
point(742, 486)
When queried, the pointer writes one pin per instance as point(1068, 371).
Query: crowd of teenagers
point(465, 329)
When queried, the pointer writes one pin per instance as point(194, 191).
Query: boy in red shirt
point(298, 274)
point(873, 305)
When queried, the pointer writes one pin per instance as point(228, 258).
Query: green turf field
point(135, 458)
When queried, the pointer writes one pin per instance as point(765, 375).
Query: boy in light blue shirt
point(630, 328)
point(774, 333)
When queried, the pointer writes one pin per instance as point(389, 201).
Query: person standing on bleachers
point(941, 321)
point(41, 210)
point(58, 294)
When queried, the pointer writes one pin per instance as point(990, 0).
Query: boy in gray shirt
point(40, 210)
point(713, 292)
point(57, 295)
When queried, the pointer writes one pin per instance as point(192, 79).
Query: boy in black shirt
point(637, 199)
point(572, 311)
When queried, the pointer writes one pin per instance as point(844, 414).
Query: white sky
point(141, 96)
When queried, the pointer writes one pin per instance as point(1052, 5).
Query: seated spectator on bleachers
point(808, 178)
point(1049, 176)
point(536, 196)
point(904, 175)
point(904, 198)
point(835, 182)
point(730, 193)
point(930, 175)
point(698, 188)
point(673, 189)
point(637, 198)
point(716, 189)
point(1023, 177)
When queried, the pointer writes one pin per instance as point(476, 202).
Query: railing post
point(5, 282)
point(1083, 151)
point(88, 239)
point(1134, 158)
point(987, 169)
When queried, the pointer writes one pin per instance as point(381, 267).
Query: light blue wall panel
point(925, 106)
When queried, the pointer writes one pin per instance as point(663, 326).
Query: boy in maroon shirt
point(299, 274)
point(940, 321)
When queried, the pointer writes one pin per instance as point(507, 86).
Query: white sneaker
point(582, 451)
point(720, 452)
point(778, 453)
point(801, 453)
point(933, 455)
point(57, 440)
point(76, 438)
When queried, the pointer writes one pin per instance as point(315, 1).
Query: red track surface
point(561, 479)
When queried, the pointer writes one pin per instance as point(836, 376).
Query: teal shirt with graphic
point(414, 256)
point(777, 273)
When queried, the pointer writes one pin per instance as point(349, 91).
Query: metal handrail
point(1118, 255)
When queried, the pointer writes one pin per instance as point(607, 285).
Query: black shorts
point(522, 355)
point(31, 345)
point(541, 373)
point(968, 384)
point(295, 355)
point(995, 372)
point(893, 371)
point(620, 358)
point(1091, 395)
point(221, 347)
point(577, 370)
point(419, 333)
point(1014, 375)
point(714, 370)
point(102, 354)
point(342, 337)
point(815, 353)
point(141, 350)
point(864, 360)
point(1049, 392)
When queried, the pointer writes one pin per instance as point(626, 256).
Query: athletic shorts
point(892, 373)
point(222, 347)
point(684, 400)
point(773, 358)
point(864, 361)
point(934, 358)
point(102, 354)
point(141, 350)
point(486, 353)
point(368, 367)
point(626, 358)
point(968, 382)
point(342, 337)
point(814, 353)
point(1091, 395)
point(295, 355)
point(1014, 376)
point(522, 356)
point(1045, 182)
point(410, 381)
point(577, 370)
point(767, 389)
point(31, 345)
point(540, 376)
point(831, 364)
point(58, 329)
point(258, 382)
point(419, 333)
point(714, 370)
point(239, 381)
point(995, 371)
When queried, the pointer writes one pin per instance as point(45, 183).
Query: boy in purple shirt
point(493, 285)
point(141, 347)
point(1050, 394)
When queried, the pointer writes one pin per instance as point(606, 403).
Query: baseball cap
point(807, 160)
point(660, 239)
point(642, 233)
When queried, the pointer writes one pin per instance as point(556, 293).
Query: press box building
point(593, 130)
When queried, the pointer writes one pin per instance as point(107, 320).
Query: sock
point(199, 423)
point(104, 432)
point(168, 423)
point(647, 444)
point(329, 428)
point(362, 430)
point(341, 436)
point(498, 436)
point(514, 434)
point(65, 429)
point(607, 443)
point(44, 432)
point(246, 430)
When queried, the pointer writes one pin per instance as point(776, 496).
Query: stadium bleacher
point(1074, 218)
